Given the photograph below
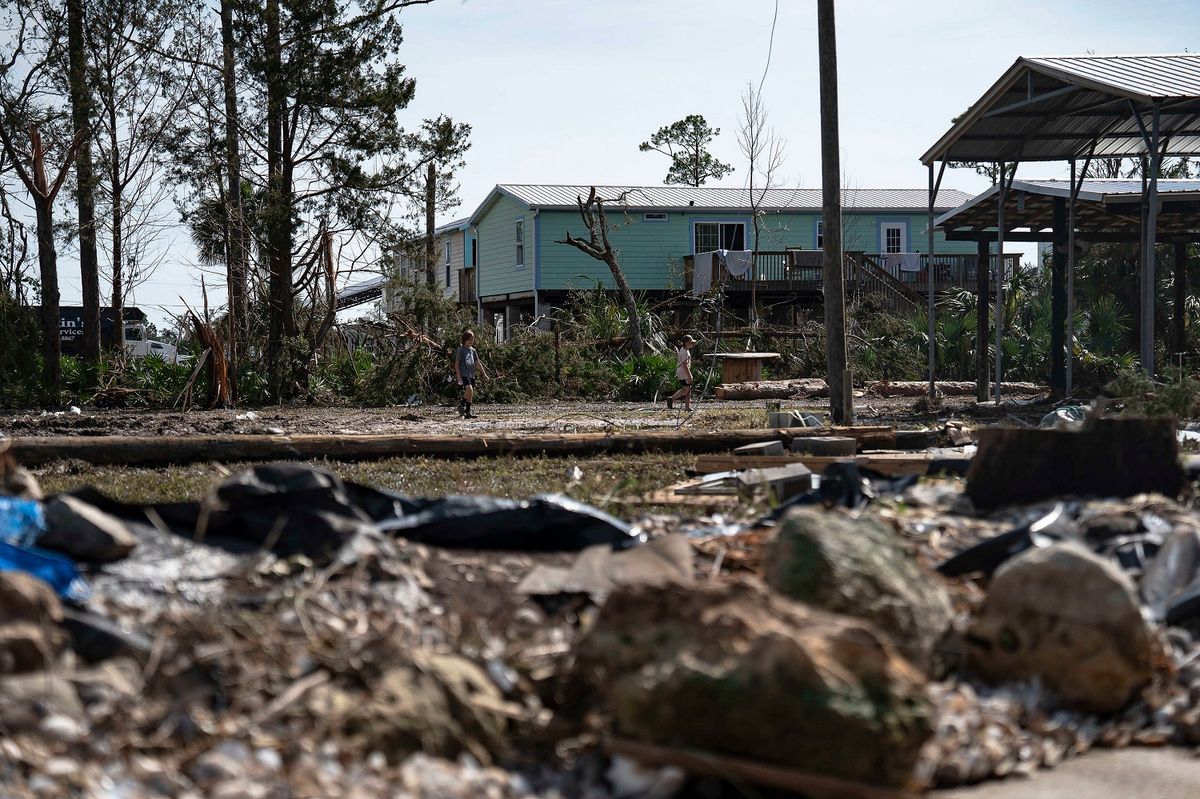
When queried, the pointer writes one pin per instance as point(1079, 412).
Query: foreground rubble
point(293, 635)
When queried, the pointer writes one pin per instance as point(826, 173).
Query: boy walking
point(466, 360)
point(683, 371)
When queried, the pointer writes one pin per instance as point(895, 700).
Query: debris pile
point(309, 636)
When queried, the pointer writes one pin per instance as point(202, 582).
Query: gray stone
point(1174, 568)
point(1071, 619)
point(731, 669)
point(857, 567)
point(25, 699)
point(835, 446)
point(17, 481)
point(30, 619)
point(85, 532)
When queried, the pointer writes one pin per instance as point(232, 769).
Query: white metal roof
point(1055, 108)
point(1161, 77)
point(1102, 190)
point(720, 198)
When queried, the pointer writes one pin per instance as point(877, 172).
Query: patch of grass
point(605, 480)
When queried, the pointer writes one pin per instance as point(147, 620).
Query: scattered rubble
point(294, 633)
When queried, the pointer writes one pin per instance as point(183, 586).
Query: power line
point(770, 48)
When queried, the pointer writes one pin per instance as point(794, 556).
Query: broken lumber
point(948, 388)
point(153, 450)
point(892, 464)
point(807, 388)
point(737, 769)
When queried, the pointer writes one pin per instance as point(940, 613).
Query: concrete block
point(825, 445)
point(761, 448)
point(780, 482)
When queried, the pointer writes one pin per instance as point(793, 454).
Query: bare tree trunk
point(43, 202)
point(118, 232)
point(238, 250)
point(430, 207)
point(599, 247)
point(835, 308)
point(81, 108)
point(43, 192)
point(48, 264)
point(279, 221)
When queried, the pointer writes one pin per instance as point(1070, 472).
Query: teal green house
point(520, 269)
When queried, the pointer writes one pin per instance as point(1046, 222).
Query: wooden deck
point(799, 272)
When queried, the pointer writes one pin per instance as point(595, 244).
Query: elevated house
point(519, 269)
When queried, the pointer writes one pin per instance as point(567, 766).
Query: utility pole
point(430, 209)
point(841, 397)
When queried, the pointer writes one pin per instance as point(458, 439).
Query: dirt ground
point(541, 417)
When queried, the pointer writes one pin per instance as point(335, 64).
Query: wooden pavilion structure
point(1073, 109)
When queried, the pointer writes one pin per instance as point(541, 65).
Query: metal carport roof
point(1063, 107)
point(1108, 210)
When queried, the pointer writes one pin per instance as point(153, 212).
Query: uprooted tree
point(599, 247)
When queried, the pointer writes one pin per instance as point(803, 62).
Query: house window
point(446, 260)
point(820, 234)
point(520, 242)
point(892, 237)
point(474, 252)
point(711, 236)
point(655, 216)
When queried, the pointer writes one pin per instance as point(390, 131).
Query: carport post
point(1000, 282)
point(1071, 278)
point(1150, 239)
point(929, 278)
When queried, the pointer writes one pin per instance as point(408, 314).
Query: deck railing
point(866, 273)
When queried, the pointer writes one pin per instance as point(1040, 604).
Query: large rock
point(1070, 618)
point(856, 566)
point(30, 623)
point(732, 669)
point(85, 532)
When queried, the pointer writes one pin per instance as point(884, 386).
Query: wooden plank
point(893, 464)
point(737, 769)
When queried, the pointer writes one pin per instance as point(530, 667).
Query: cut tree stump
point(1108, 458)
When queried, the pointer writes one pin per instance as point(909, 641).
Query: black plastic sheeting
point(987, 556)
point(844, 484)
point(293, 509)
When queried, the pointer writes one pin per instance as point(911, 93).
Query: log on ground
point(808, 388)
point(947, 388)
point(153, 450)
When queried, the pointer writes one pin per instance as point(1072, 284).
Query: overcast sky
point(562, 91)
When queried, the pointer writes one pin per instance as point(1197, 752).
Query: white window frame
point(520, 237)
point(820, 234)
point(719, 223)
point(884, 228)
point(656, 216)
